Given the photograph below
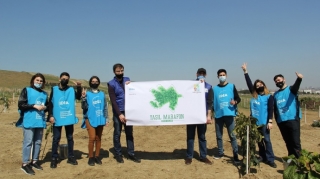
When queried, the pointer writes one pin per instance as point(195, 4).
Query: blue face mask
point(201, 77)
point(222, 78)
point(37, 85)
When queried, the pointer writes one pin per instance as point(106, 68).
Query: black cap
point(275, 77)
point(201, 70)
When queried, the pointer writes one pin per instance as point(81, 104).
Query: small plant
point(316, 123)
point(6, 103)
point(242, 121)
point(306, 166)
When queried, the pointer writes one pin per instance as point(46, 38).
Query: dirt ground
point(161, 148)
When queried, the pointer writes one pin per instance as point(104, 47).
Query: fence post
point(247, 157)
point(319, 111)
point(305, 113)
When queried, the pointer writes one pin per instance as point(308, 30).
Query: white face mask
point(222, 78)
point(37, 85)
point(201, 77)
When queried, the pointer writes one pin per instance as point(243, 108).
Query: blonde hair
point(254, 89)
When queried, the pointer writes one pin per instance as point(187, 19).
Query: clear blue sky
point(163, 39)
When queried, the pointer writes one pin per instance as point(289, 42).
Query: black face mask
point(260, 89)
point(64, 82)
point(119, 76)
point(94, 86)
point(280, 84)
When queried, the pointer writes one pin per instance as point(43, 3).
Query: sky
point(163, 39)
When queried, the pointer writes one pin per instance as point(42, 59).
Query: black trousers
point(290, 131)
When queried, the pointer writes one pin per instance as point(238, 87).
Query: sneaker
point(53, 163)
point(188, 161)
point(134, 158)
point(236, 160)
point(98, 160)
point(72, 161)
point(272, 164)
point(206, 161)
point(119, 158)
point(91, 161)
point(27, 169)
point(218, 156)
point(36, 165)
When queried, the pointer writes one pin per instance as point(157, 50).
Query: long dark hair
point(34, 77)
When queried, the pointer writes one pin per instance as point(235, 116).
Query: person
point(287, 113)
point(225, 100)
point(261, 108)
point(62, 112)
point(201, 128)
point(32, 105)
point(116, 92)
point(95, 115)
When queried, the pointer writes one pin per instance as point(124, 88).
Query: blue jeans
point(265, 146)
point(117, 134)
point(191, 132)
point(31, 137)
point(229, 122)
point(57, 137)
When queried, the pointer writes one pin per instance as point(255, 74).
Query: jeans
point(57, 137)
point(229, 122)
point(290, 131)
point(32, 138)
point(191, 131)
point(117, 134)
point(265, 146)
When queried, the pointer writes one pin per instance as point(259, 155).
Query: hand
point(107, 124)
point(39, 107)
point(201, 80)
point(122, 118)
point(84, 93)
point(299, 75)
point(244, 67)
point(127, 82)
point(78, 83)
point(233, 102)
point(209, 121)
point(269, 126)
point(51, 120)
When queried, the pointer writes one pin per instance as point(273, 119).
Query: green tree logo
point(164, 96)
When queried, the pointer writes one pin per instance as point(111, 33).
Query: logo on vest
point(96, 101)
point(63, 104)
point(256, 102)
point(281, 101)
point(223, 95)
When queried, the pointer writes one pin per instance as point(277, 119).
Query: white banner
point(165, 103)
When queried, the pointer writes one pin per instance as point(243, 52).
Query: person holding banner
point(32, 105)
point(288, 113)
point(201, 128)
point(225, 100)
point(261, 108)
point(62, 113)
point(95, 116)
point(117, 96)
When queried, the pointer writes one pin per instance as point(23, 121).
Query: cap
point(201, 70)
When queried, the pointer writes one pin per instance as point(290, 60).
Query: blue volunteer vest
point(221, 102)
point(286, 103)
point(119, 91)
point(34, 118)
point(259, 109)
point(64, 106)
point(95, 110)
point(207, 88)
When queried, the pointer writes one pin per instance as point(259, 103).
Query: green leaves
point(163, 96)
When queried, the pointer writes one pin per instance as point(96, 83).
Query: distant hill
point(15, 79)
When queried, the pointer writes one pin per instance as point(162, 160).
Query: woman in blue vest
point(95, 115)
point(261, 108)
point(32, 105)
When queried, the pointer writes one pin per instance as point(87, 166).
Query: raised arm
point(295, 87)
point(247, 77)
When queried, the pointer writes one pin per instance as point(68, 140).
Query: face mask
point(201, 77)
point(119, 76)
point(280, 84)
point(222, 78)
point(260, 89)
point(94, 86)
point(64, 82)
point(37, 85)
